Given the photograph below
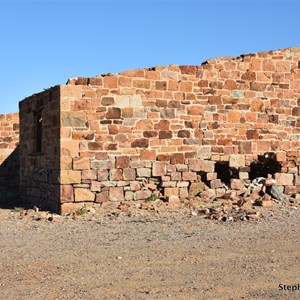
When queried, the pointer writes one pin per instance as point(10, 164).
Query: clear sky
point(43, 43)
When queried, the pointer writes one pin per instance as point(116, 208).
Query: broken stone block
point(276, 193)
point(247, 206)
point(237, 184)
point(173, 201)
point(195, 189)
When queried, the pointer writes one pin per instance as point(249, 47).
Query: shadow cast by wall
point(10, 181)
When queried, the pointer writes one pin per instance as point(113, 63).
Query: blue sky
point(43, 43)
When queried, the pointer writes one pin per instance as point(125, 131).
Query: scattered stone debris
point(249, 203)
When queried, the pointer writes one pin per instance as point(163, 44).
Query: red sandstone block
point(171, 191)
point(165, 134)
point(134, 73)
point(186, 86)
point(110, 82)
point(216, 183)
point(230, 84)
point(113, 129)
point(122, 161)
point(129, 174)
point(284, 179)
point(189, 176)
point(263, 146)
point(173, 85)
point(83, 195)
point(113, 113)
point(103, 196)
point(256, 86)
point(249, 75)
point(176, 176)
point(158, 168)
point(162, 125)
point(290, 190)
point(140, 143)
point(142, 195)
point(82, 163)
point(116, 193)
point(142, 84)
point(89, 174)
point(201, 165)
point(255, 64)
point(161, 85)
point(146, 154)
point(144, 125)
point(153, 75)
point(177, 158)
point(252, 134)
point(115, 175)
point(67, 208)
point(281, 156)
point(125, 81)
point(102, 175)
point(66, 193)
point(282, 66)
point(189, 70)
point(237, 184)
point(195, 110)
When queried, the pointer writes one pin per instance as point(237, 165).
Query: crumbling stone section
point(40, 149)
point(9, 158)
point(153, 132)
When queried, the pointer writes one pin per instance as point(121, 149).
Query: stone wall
point(9, 159)
point(128, 136)
point(40, 149)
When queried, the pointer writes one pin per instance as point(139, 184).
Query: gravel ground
point(148, 256)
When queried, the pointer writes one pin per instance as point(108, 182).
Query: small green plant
point(152, 198)
point(81, 212)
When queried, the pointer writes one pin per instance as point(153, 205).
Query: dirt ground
point(171, 255)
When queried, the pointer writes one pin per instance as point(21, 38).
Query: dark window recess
point(265, 165)
point(224, 172)
point(38, 132)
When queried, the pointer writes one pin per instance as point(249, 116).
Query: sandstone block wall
point(40, 149)
point(9, 158)
point(126, 136)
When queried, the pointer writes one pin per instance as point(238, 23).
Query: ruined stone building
point(125, 136)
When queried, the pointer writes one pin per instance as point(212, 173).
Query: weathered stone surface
point(75, 119)
point(83, 195)
point(159, 169)
point(284, 179)
point(102, 196)
point(66, 193)
point(70, 176)
point(237, 161)
point(142, 194)
point(82, 163)
point(116, 194)
point(171, 191)
point(140, 143)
